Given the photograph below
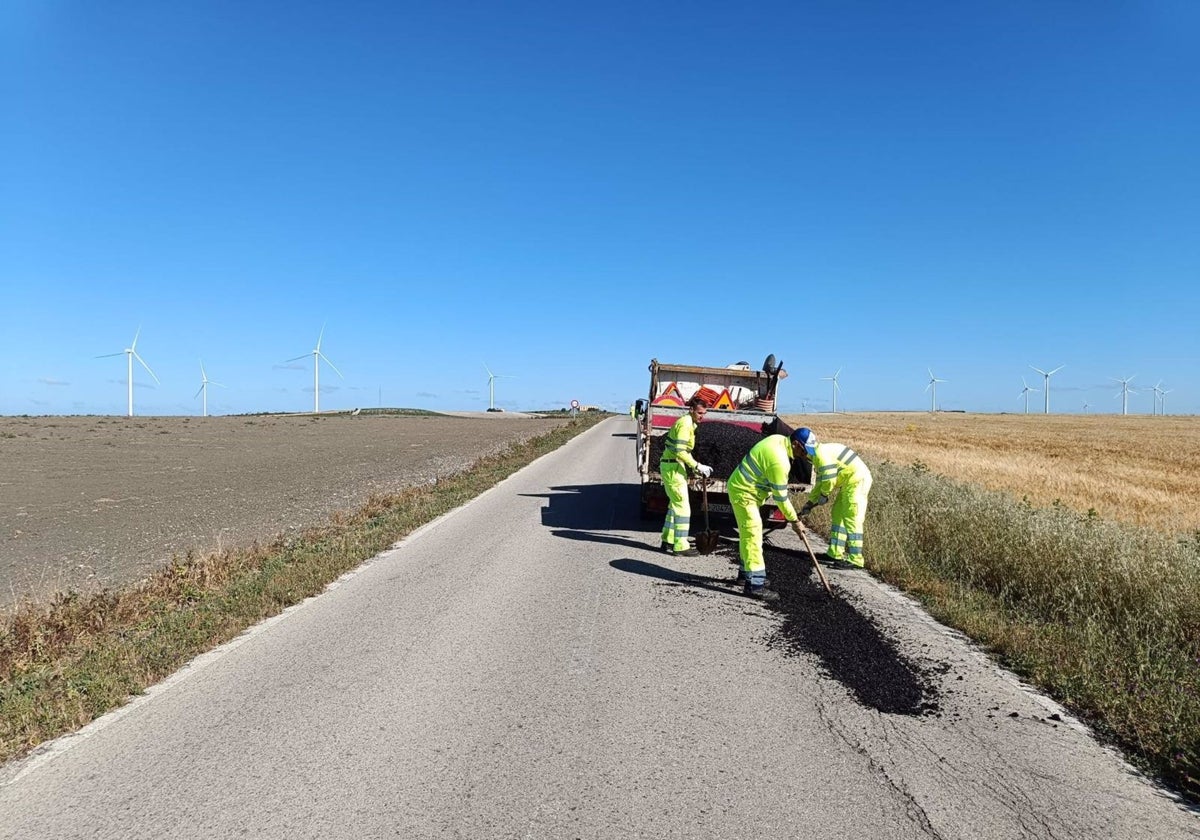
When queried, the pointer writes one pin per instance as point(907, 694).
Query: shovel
point(816, 565)
point(707, 540)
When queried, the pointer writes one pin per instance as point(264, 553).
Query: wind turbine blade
point(319, 337)
point(146, 366)
point(109, 355)
point(198, 390)
point(1056, 370)
point(218, 384)
point(135, 338)
point(1039, 370)
point(331, 364)
point(298, 358)
point(489, 371)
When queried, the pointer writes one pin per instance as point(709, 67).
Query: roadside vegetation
point(1067, 547)
point(66, 662)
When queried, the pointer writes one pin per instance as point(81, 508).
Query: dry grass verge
point(65, 663)
point(1137, 469)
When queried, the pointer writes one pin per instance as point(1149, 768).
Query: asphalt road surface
point(531, 666)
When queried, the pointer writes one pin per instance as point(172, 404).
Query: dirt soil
point(94, 502)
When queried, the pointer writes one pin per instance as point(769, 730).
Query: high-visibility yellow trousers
point(679, 511)
point(746, 504)
point(847, 516)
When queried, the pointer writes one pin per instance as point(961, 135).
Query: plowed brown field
point(91, 502)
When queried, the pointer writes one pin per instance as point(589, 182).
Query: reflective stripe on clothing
point(835, 465)
point(680, 442)
point(679, 511)
point(763, 473)
point(847, 520)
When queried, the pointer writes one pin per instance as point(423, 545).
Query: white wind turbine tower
point(1158, 395)
point(1163, 401)
point(1046, 374)
point(1025, 393)
point(1125, 392)
point(836, 387)
point(492, 377)
point(933, 381)
point(204, 383)
point(1086, 407)
point(317, 357)
point(131, 354)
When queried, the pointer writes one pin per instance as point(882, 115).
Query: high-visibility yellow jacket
point(764, 473)
point(680, 442)
point(835, 465)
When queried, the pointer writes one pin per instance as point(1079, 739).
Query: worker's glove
point(704, 470)
point(808, 506)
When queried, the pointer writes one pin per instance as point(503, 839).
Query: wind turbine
point(317, 356)
point(1161, 397)
point(933, 381)
point(131, 354)
point(1163, 400)
point(1025, 393)
point(1085, 407)
point(204, 383)
point(1158, 394)
point(836, 387)
point(1046, 374)
point(492, 377)
point(1125, 391)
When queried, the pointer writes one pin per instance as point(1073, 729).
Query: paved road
point(530, 667)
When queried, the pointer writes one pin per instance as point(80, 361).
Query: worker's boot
point(760, 593)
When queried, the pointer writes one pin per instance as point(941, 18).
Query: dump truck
point(741, 410)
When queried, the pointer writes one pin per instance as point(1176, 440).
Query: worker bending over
point(837, 467)
point(761, 477)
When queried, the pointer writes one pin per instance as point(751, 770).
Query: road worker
point(762, 476)
point(837, 467)
point(673, 466)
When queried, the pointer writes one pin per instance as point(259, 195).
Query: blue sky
point(562, 192)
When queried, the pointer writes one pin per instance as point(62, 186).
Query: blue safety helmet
point(805, 438)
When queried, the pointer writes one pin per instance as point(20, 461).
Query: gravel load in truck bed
point(723, 446)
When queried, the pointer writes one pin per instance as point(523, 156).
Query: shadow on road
point(595, 507)
point(724, 586)
point(630, 435)
point(608, 539)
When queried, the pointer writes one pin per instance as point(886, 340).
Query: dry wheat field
point(1143, 470)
